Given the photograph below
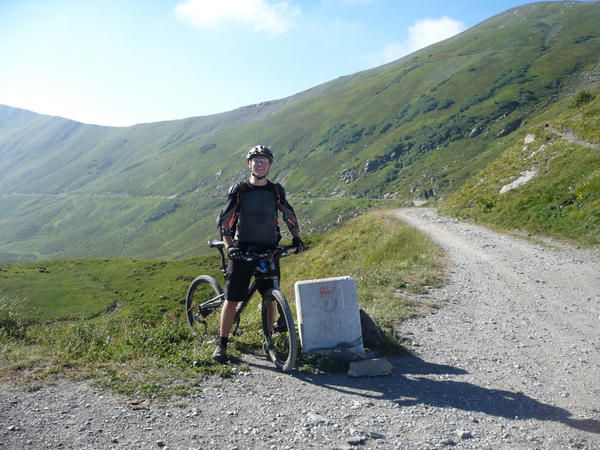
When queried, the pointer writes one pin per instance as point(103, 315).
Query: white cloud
point(421, 34)
point(261, 15)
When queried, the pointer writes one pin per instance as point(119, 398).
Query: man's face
point(259, 166)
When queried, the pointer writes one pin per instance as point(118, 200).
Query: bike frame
point(269, 273)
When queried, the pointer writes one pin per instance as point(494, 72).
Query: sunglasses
point(258, 160)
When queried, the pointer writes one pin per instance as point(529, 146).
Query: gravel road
point(511, 359)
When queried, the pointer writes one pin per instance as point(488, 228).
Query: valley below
point(509, 357)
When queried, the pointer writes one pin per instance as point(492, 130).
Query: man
point(249, 222)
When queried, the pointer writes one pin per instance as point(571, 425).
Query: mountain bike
point(205, 296)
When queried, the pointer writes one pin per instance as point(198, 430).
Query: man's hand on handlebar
point(234, 253)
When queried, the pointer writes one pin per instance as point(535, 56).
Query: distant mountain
point(412, 130)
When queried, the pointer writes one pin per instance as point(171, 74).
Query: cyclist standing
point(248, 222)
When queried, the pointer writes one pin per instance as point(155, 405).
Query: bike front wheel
point(281, 344)
point(204, 297)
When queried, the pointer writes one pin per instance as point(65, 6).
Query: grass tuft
point(388, 260)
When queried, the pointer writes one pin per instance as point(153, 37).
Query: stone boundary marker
point(328, 315)
point(329, 321)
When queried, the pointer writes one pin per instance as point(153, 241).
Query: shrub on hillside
point(164, 209)
point(340, 135)
point(581, 98)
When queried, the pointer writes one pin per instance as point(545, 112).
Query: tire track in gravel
point(511, 359)
point(521, 318)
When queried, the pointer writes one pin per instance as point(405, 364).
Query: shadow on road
point(412, 384)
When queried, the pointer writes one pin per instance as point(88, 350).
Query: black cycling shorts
point(237, 279)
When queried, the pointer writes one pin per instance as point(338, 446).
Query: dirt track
point(511, 360)
point(521, 321)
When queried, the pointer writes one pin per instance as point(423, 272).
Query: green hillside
point(547, 184)
point(413, 130)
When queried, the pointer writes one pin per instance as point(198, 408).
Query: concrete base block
point(343, 354)
point(370, 368)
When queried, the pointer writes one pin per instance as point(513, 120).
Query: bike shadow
point(418, 382)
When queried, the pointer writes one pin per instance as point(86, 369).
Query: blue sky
point(120, 62)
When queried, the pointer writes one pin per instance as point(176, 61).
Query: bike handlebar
point(281, 251)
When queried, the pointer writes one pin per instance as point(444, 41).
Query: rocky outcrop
point(373, 164)
point(510, 127)
point(348, 176)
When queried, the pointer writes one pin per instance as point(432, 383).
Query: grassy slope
point(563, 200)
point(411, 117)
point(121, 321)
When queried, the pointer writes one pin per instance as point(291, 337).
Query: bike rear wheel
point(281, 344)
point(203, 298)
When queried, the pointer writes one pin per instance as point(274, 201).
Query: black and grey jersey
point(251, 214)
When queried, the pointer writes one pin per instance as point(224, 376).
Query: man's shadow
point(407, 387)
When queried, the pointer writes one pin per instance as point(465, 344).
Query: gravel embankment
point(510, 360)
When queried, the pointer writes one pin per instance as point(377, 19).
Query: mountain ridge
point(413, 129)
